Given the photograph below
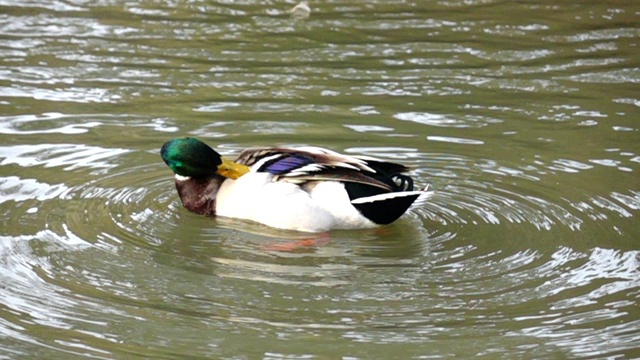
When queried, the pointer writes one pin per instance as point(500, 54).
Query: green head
point(190, 157)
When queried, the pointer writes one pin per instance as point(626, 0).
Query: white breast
point(254, 196)
point(322, 207)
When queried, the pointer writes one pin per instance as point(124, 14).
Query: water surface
point(523, 117)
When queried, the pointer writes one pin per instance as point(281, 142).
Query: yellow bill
point(231, 170)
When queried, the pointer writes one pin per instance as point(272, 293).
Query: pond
point(523, 116)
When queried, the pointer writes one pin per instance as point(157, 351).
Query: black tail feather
point(387, 210)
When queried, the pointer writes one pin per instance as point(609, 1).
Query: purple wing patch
point(285, 164)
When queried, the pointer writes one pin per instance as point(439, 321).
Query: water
point(523, 116)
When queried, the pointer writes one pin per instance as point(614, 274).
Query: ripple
point(461, 198)
point(430, 119)
point(53, 25)
point(25, 124)
point(12, 188)
point(135, 199)
point(323, 275)
point(70, 156)
point(473, 206)
point(70, 94)
point(368, 128)
point(50, 5)
point(455, 140)
point(603, 34)
point(620, 76)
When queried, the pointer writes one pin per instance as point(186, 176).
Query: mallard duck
point(307, 189)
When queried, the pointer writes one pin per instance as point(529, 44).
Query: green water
point(524, 116)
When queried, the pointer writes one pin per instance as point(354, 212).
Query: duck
point(307, 188)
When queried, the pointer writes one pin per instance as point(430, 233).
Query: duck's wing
point(299, 165)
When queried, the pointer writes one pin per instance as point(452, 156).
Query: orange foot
point(299, 244)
